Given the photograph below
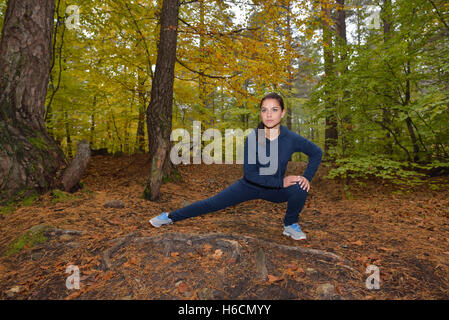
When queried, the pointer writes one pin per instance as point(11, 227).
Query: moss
point(28, 201)
point(60, 196)
point(86, 190)
point(5, 210)
point(147, 193)
point(20, 201)
point(38, 142)
point(27, 240)
point(174, 177)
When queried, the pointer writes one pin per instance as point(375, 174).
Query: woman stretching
point(254, 185)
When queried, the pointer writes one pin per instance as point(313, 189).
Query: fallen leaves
point(338, 289)
point(230, 260)
point(131, 262)
point(394, 227)
point(357, 243)
point(108, 275)
point(387, 249)
point(293, 269)
point(73, 295)
point(292, 266)
point(112, 221)
point(272, 278)
point(290, 272)
point(362, 259)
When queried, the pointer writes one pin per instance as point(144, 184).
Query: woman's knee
point(296, 191)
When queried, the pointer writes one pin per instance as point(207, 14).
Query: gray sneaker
point(161, 220)
point(294, 231)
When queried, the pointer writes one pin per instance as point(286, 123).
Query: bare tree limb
point(187, 2)
point(206, 75)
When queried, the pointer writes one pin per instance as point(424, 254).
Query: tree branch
point(439, 15)
point(206, 75)
point(147, 53)
point(60, 68)
point(389, 130)
point(187, 2)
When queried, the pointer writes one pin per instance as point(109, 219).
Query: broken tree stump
point(73, 173)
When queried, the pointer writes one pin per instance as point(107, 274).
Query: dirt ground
point(235, 253)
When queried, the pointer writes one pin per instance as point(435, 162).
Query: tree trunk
point(140, 139)
point(159, 112)
point(386, 113)
point(29, 157)
point(342, 42)
point(330, 132)
point(408, 120)
point(203, 97)
point(92, 124)
point(291, 76)
point(74, 172)
point(67, 134)
point(289, 66)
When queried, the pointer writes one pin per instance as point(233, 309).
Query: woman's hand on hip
point(291, 180)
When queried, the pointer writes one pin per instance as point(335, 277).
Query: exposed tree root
point(58, 232)
point(227, 241)
point(107, 254)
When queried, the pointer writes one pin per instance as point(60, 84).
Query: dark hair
point(272, 95)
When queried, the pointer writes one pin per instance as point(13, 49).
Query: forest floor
point(235, 253)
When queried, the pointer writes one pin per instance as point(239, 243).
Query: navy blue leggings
point(241, 191)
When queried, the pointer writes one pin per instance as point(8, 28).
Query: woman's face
point(271, 113)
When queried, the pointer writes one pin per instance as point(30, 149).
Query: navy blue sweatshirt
point(288, 142)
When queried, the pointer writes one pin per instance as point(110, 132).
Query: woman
point(254, 185)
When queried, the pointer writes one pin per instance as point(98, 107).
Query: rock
point(179, 276)
point(38, 228)
point(217, 254)
point(65, 237)
point(182, 288)
point(206, 294)
point(73, 245)
point(178, 283)
point(114, 204)
point(311, 272)
point(13, 291)
point(37, 256)
point(325, 291)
